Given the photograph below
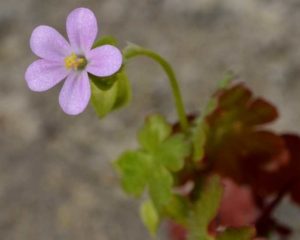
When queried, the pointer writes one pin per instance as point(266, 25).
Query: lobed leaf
point(287, 177)
point(154, 132)
point(160, 186)
point(133, 167)
point(150, 216)
point(172, 152)
point(236, 147)
point(177, 209)
point(150, 167)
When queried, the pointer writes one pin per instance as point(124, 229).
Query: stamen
point(75, 62)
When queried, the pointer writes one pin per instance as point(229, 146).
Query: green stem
point(133, 51)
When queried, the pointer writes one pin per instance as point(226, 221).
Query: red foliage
point(256, 163)
point(239, 148)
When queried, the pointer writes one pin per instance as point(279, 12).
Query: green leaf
point(205, 209)
point(150, 216)
point(172, 152)
point(177, 209)
point(243, 233)
point(160, 186)
point(105, 40)
point(133, 168)
point(150, 166)
point(110, 93)
point(154, 132)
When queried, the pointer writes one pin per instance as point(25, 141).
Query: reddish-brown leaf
point(236, 147)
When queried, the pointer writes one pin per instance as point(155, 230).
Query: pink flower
point(71, 61)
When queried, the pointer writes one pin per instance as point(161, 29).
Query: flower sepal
point(110, 93)
point(104, 83)
point(104, 40)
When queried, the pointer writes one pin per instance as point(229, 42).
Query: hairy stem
point(138, 51)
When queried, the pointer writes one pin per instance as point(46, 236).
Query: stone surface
point(56, 181)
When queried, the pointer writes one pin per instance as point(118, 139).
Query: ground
point(56, 179)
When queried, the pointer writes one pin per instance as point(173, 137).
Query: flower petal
point(49, 44)
point(75, 94)
point(104, 61)
point(42, 75)
point(82, 29)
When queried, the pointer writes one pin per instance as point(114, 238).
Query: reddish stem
point(264, 223)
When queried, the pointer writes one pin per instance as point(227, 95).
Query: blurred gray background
point(56, 179)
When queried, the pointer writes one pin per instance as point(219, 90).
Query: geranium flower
point(71, 61)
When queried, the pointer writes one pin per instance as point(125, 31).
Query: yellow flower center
point(75, 62)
